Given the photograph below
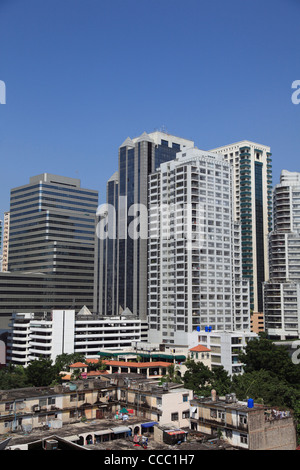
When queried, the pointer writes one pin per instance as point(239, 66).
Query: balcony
point(220, 423)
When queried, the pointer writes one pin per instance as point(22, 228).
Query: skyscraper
point(51, 247)
point(194, 270)
point(282, 292)
point(52, 227)
point(122, 263)
point(252, 186)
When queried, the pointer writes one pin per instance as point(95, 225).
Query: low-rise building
point(154, 370)
point(225, 347)
point(32, 336)
point(166, 404)
point(119, 397)
point(243, 424)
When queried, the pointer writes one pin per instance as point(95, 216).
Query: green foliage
point(197, 377)
point(41, 373)
point(63, 361)
point(263, 354)
point(221, 381)
point(12, 377)
point(202, 380)
point(265, 387)
point(96, 366)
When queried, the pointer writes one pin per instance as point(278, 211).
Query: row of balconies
point(220, 423)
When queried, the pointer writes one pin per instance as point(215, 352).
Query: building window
point(174, 417)
point(243, 419)
point(73, 414)
point(244, 438)
point(185, 398)
point(51, 401)
point(185, 414)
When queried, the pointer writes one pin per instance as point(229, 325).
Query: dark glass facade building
point(121, 264)
point(51, 241)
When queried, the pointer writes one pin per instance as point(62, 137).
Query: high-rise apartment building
point(121, 261)
point(282, 292)
point(252, 188)
point(51, 247)
point(194, 270)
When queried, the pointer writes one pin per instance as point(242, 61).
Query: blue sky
point(83, 75)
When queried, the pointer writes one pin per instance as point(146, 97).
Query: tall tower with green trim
point(252, 176)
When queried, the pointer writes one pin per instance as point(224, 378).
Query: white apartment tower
point(282, 292)
point(194, 250)
point(252, 202)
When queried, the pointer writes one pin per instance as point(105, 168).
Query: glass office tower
point(51, 246)
point(52, 227)
point(121, 264)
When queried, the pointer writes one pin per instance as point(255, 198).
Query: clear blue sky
point(83, 75)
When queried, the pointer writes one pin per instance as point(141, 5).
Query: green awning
point(170, 356)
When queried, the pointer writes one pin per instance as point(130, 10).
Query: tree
point(197, 377)
point(63, 361)
point(262, 354)
point(265, 387)
point(12, 377)
point(41, 373)
point(173, 374)
point(96, 366)
point(221, 381)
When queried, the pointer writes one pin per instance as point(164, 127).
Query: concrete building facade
point(195, 270)
point(252, 187)
point(225, 347)
point(282, 292)
point(122, 262)
point(64, 331)
point(244, 424)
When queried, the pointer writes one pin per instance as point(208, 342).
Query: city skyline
point(149, 226)
point(72, 97)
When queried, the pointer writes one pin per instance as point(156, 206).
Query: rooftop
point(199, 348)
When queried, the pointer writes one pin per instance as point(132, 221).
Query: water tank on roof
point(51, 444)
point(250, 403)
